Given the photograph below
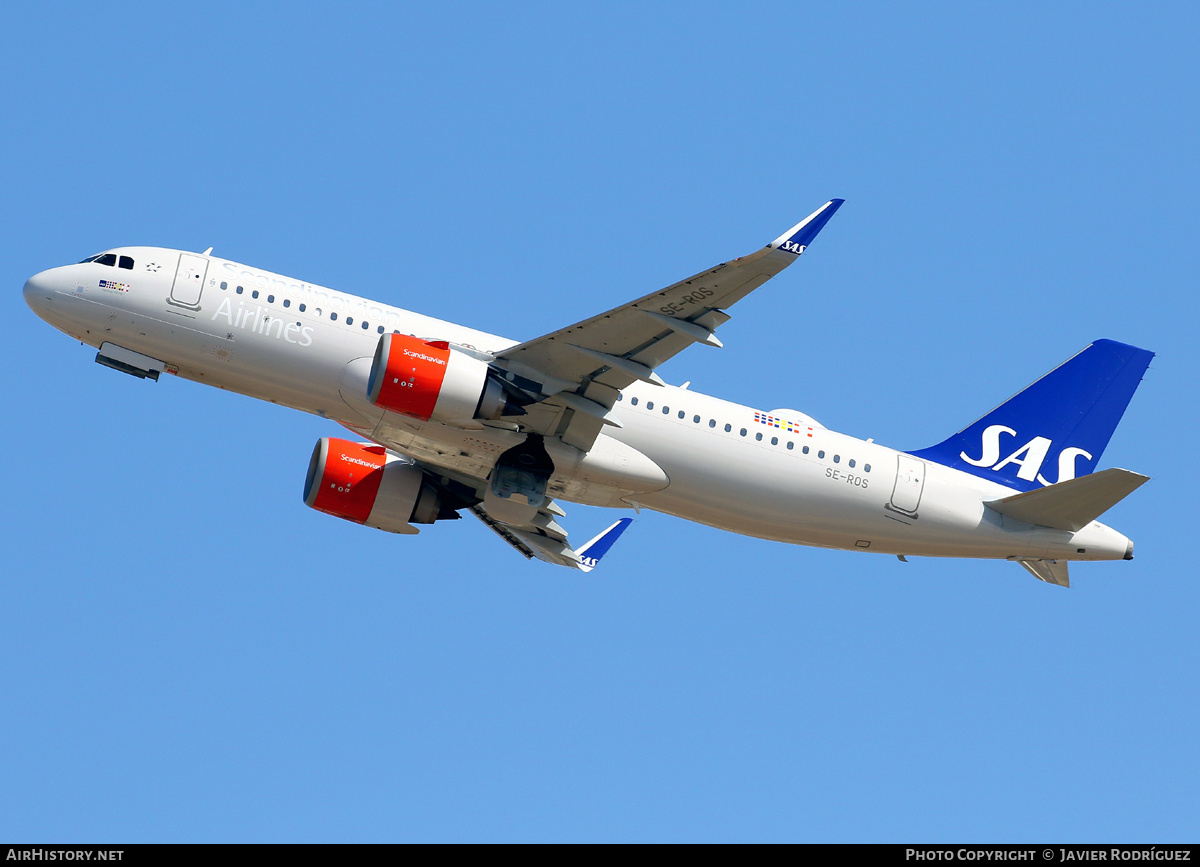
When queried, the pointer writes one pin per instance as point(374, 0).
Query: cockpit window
point(109, 259)
point(91, 259)
point(126, 262)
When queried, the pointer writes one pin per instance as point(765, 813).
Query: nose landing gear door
point(189, 281)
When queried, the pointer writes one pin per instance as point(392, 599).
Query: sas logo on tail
point(792, 247)
point(1029, 457)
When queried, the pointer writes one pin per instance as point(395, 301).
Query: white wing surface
point(582, 367)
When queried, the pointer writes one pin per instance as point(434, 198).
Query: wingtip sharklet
point(590, 554)
point(797, 238)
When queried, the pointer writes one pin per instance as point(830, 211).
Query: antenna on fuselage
point(206, 252)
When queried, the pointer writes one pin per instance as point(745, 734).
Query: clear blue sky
point(188, 653)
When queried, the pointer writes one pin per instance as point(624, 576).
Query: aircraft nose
point(39, 293)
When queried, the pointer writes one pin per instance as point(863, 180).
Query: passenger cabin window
point(126, 262)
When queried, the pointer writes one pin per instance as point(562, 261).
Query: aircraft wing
point(582, 368)
point(537, 536)
point(544, 539)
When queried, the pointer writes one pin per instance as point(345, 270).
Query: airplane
point(448, 419)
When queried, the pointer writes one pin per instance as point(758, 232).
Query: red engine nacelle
point(367, 485)
point(426, 379)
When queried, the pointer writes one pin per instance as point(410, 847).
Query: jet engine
point(368, 485)
point(426, 379)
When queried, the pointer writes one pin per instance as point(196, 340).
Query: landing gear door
point(910, 482)
point(189, 281)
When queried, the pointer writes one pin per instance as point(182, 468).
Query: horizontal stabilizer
point(1074, 504)
point(1050, 571)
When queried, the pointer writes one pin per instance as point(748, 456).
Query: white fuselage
point(775, 476)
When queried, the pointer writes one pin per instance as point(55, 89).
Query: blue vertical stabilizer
point(1054, 430)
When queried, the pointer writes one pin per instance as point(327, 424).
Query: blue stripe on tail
point(1054, 430)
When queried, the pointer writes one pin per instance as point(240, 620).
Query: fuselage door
point(189, 281)
point(910, 482)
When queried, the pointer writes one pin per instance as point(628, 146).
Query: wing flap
point(548, 549)
point(503, 532)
